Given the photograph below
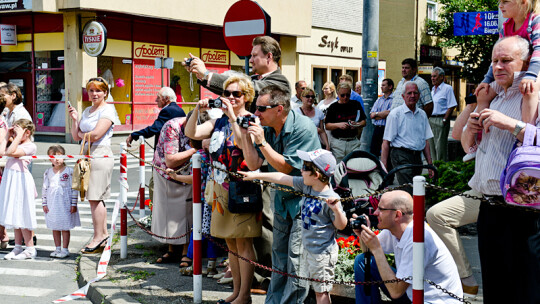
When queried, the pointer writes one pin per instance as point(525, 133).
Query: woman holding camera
point(237, 229)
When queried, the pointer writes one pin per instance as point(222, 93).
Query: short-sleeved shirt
point(89, 121)
point(382, 104)
point(343, 112)
point(171, 141)
point(443, 98)
point(319, 115)
point(357, 97)
point(318, 231)
point(298, 133)
point(423, 87)
point(439, 265)
point(405, 129)
point(19, 112)
point(17, 164)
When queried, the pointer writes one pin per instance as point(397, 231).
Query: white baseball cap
point(323, 159)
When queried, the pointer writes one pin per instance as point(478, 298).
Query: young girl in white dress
point(18, 191)
point(59, 202)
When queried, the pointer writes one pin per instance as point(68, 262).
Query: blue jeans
point(287, 251)
point(359, 276)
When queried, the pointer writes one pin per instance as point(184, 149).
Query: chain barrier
point(444, 290)
point(151, 147)
point(183, 168)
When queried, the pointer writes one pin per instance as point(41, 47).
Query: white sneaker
point(26, 254)
point(63, 254)
point(55, 253)
point(13, 253)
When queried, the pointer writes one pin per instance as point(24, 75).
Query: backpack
point(520, 179)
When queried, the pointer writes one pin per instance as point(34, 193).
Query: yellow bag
point(81, 172)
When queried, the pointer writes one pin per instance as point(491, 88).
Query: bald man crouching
point(395, 216)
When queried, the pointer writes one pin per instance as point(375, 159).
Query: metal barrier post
point(419, 193)
point(123, 201)
point(142, 178)
point(197, 230)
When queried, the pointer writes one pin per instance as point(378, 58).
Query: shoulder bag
point(81, 172)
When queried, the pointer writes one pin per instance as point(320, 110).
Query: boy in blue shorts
point(321, 217)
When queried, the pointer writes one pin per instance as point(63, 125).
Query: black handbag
point(244, 197)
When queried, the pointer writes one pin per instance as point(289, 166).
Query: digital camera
point(215, 103)
point(188, 61)
point(243, 121)
point(358, 222)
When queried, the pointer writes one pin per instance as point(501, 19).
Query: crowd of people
point(263, 133)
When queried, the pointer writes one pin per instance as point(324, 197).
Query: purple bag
point(520, 180)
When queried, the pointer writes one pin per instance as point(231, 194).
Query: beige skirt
point(172, 211)
point(228, 225)
point(99, 186)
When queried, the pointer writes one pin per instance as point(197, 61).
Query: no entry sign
point(244, 21)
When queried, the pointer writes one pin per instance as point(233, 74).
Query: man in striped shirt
point(379, 111)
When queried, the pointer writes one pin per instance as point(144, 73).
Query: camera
point(358, 222)
point(243, 121)
point(215, 103)
point(188, 62)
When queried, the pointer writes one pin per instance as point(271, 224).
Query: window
point(432, 10)
point(117, 71)
point(50, 92)
point(319, 79)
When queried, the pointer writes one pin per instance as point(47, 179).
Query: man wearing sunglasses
point(284, 133)
point(345, 120)
point(264, 61)
point(395, 217)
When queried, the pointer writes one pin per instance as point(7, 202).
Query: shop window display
point(117, 72)
point(50, 92)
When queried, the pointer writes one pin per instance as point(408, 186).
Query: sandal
point(168, 257)
point(184, 263)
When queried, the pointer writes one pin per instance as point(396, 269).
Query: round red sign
point(244, 21)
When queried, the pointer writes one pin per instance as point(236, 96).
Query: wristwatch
point(519, 126)
point(262, 144)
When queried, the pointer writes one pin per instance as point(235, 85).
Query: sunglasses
point(263, 108)
point(309, 96)
point(98, 79)
point(307, 167)
point(345, 94)
point(227, 93)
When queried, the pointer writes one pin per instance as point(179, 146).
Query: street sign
point(244, 21)
point(476, 23)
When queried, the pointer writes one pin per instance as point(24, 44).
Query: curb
point(103, 291)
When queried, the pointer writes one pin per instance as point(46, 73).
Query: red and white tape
point(102, 265)
point(61, 156)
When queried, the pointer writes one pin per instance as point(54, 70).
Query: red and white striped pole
point(419, 199)
point(142, 178)
point(123, 201)
point(197, 229)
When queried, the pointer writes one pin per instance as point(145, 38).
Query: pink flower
point(120, 82)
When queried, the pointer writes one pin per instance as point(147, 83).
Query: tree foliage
point(474, 51)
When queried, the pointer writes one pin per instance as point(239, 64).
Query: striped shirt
point(423, 87)
point(496, 145)
point(382, 104)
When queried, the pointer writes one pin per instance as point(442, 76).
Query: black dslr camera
point(215, 103)
point(358, 222)
point(243, 121)
point(188, 62)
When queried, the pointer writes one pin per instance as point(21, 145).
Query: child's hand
point(73, 209)
point(18, 131)
point(248, 176)
point(45, 209)
point(526, 86)
point(333, 203)
point(480, 87)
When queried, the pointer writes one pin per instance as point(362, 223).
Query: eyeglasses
point(309, 96)
point(227, 93)
point(263, 108)
point(98, 79)
point(385, 209)
point(345, 94)
point(303, 88)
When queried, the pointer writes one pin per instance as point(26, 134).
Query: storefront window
point(354, 75)
point(319, 79)
point(50, 92)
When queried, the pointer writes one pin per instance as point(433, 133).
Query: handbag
point(244, 197)
point(81, 172)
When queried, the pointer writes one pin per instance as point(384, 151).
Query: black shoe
point(99, 248)
point(12, 242)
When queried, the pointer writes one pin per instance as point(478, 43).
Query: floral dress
point(226, 155)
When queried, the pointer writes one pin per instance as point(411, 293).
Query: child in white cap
point(321, 217)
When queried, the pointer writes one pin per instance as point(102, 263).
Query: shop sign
point(334, 44)
point(430, 54)
point(12, 5)
point(149, 50)
point(211, 56)
point(331, 43)
point(8, 34)
point(94, 38)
